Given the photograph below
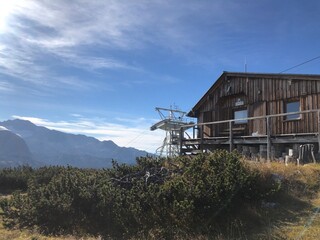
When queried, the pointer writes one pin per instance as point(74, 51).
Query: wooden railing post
point(268, 139)
point(230, 137)
point(198, 131)
point(202, 136)
point(319, 131)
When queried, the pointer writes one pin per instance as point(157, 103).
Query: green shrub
point(12, 179)
point(168, 196)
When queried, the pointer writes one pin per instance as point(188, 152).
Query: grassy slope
point(297, 211)
point(296, 214)
point(27, 235)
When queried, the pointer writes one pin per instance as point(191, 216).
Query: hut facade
point(257, 112)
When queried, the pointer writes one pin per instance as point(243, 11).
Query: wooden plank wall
point(275, 92)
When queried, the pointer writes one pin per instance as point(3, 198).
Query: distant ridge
point(51, 147)
point(13, 149)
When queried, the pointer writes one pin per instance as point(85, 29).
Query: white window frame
point(241, 111)
point(294, 116)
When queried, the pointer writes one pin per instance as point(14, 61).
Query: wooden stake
point(230, 136)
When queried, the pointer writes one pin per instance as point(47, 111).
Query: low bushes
point(161, 198)
point(12, 179)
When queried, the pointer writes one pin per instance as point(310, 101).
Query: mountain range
point(24, 143)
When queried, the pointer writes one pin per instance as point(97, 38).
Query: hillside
point(50, 147)
point(13, 150)
point(208, 197)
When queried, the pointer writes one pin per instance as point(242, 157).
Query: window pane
point(293, 107)
point(239, 115)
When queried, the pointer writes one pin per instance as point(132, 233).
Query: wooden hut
point(257, 112)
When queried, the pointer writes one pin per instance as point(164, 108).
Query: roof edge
point(191, 113)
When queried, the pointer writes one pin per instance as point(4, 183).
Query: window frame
point(294, 117)
point(239, 122)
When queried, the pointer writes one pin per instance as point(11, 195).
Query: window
point(292, 107)
point(239, 115)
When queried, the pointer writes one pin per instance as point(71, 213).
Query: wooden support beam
point(318, 131)
point(230, 136)
point(201, 136)
point(232, 139)
point(268, 139)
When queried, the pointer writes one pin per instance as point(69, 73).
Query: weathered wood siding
point(261, 96)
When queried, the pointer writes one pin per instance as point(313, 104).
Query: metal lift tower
point(171, 122)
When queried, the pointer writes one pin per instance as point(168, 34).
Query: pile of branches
point(150, 173)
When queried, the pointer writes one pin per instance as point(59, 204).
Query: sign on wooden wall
point(239, 102)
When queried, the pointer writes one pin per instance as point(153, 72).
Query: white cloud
point(57, 30)
point(23, 63)
point(75, 33)
point(91, 63)
point(72, 30)
point(60, 24)
point(137, 135)
point(76, 115)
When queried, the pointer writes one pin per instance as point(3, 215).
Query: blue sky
point(101, 67)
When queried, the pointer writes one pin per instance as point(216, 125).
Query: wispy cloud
point(76, 31)
point(26, 65)
point(88, 62)
point(137, 134)
point(126, 25)
point(19, 61)
point(46, 39)
point(6, 87)
point(40, 33)
point(76, 23)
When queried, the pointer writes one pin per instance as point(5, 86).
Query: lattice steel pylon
point(171, 122)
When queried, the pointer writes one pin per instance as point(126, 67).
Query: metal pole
point(181, 140)
point(194, 132)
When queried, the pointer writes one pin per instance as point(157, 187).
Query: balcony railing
point(233, 130)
